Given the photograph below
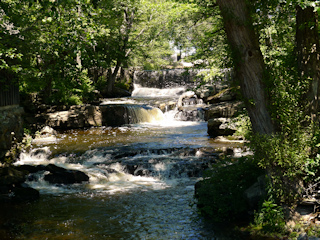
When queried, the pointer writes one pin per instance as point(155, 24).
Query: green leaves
point(270, 218)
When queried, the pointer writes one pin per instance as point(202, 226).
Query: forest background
point(65, 50)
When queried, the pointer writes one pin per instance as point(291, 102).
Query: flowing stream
point(141, 182)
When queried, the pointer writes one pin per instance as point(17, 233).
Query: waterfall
point(140, 91)
point(138, 114)
point(122, 114)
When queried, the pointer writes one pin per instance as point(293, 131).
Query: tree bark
point(112, 75)
point(249, 65)
point(307, 40)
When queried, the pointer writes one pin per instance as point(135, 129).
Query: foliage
point(220, 196)
point(285, 158)
point(270, 219)
point(242, 121)
point(49, 45)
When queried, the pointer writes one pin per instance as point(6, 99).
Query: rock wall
point(167, 78)
point(11, 126)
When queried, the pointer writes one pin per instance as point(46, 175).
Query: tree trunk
point(112, 79)
point(307, 39)
point(47, 91)
point(248, 62)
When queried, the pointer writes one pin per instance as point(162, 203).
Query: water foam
point(109, 179)
point(156, 92)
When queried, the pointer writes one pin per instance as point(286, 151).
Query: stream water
point(141, 183)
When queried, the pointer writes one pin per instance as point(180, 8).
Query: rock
point(223, 109)
point(116, 93)
point(222, 96)
point(164, 107)
point(11, 127)
point(190, 113)
point(220, 127)
point(167, 78)
point(10, 176)
point(20, 193)
point(13, 188)
point(47, 134)
point(188, 98)
point(106, 115)
point(93, 116)
point(303, 236)
point(47, 131)
point(59, 175)
point(256, 192)
point(208, 90)
point(114, 115)
point(30, 168)
point(24, 193)
point(56, 175)
point(75, 117)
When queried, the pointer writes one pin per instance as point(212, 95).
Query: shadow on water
point(145, 215)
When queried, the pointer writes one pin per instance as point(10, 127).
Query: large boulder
point(207, 90)
point(24, 193)
point(11, 127)
point(187, 99)
point(75, 117)
point(224, 95)
point(190, 113)
point(256, 192)
point(56, 174)
point(221, 127)
point(46, 134)
point(223, 109)
point(59, 175)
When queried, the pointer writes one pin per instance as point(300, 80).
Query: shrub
point(220, 196)
point(288, 162)
point(270, 219)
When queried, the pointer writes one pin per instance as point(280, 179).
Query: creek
point(141, 182)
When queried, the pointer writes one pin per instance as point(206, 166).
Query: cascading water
point(140, 91)
point(141, 181)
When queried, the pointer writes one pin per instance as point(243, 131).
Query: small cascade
point(140, 91)
point(121, 114)
point(138, 114)
point(116, 169)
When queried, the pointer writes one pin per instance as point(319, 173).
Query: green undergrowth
point(220, 195)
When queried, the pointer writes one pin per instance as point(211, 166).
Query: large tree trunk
point(307, 38)
point(249, 65)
